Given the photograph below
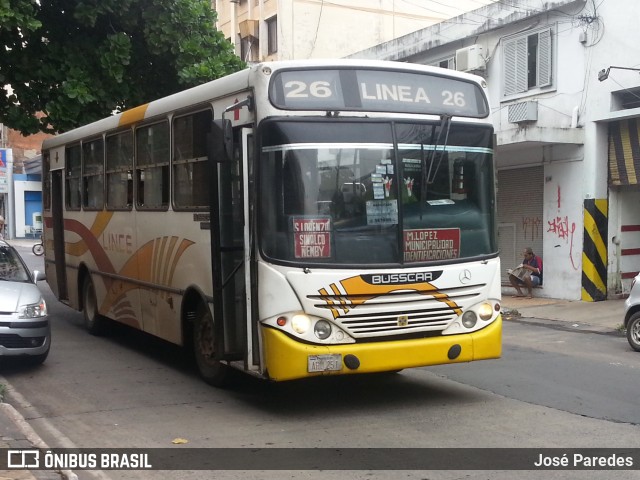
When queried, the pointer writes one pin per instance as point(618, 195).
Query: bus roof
point(229, 85)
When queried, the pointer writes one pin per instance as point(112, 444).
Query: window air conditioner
point(248, 28)
point(469, 59)
point(523, 112)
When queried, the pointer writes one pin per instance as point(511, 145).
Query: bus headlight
point(300, 323)
point(322, 329)
point(485, 311)
point(469, 319)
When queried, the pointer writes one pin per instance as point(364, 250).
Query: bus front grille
point(397, 313)
point(401, 322)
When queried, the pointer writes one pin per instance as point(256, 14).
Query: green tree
point(70, 62)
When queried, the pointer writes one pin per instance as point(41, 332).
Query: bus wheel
point(92, 319)
point(211, 370)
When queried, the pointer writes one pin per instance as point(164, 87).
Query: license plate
point(324, 363)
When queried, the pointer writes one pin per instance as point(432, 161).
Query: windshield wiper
point(427, 178)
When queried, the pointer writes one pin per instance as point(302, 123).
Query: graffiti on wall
point(531, 227)
point(563, 229)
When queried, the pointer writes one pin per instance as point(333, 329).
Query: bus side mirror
point(221, 141)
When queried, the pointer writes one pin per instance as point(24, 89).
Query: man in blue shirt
point(533, 263)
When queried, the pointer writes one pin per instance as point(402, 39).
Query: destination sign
point(377, 91)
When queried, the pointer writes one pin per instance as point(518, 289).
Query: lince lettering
point(117, 242)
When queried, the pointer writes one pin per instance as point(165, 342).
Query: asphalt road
point(552, 388)
point(588, 374)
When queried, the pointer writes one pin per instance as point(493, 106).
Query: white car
point(632, 314)
point(24, 327)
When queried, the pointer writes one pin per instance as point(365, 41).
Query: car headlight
point(33, 310)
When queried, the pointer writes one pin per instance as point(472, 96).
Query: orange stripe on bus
point(132, 116)
point(99, 224)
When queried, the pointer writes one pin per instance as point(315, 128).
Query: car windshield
point(366, 193)
point(11, 266)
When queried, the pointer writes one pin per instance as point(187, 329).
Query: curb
point(23, 426)
point(514, 316)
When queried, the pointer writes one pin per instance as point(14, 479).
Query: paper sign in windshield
point(312, 237)
point(428, 244)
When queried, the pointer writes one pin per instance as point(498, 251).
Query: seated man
point(533, 263)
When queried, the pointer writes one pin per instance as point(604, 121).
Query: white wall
point(563, 228)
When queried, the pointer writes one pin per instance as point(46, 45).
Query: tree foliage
point(70, 62)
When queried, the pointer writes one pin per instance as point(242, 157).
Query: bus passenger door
point(57, 214)
point(229, 251)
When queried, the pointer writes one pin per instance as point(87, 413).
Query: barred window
point(72, 177)
point(93, 174)
point(120, 171)
point(152, 166)
point(190, 167)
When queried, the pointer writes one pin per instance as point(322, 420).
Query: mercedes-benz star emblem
point(465, 276)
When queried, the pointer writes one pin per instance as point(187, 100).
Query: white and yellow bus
point(291, 220)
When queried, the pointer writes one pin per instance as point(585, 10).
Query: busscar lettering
point(392, 278)
point(396, 93)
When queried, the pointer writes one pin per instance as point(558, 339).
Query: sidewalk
point(22, 242)
point(16, 433)
point(600, 317)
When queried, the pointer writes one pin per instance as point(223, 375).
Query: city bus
point(290, 220)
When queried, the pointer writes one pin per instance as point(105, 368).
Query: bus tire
point(93, 322)
point(633, 331)
point(211, 370)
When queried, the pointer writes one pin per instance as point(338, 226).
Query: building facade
point(300, 29)
point(20, 183)
point(565, 91)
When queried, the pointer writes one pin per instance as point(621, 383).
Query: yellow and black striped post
point(594, 252)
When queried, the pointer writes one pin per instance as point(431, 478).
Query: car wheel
point(92, 319)
point(211, 370)
point(633, 331)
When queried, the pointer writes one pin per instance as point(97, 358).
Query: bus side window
point(190, 166)
point(119, 171)
point(152, 166)
point(72, 177)
point(93, 174)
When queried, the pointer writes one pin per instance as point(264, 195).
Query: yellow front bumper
point(286, 359)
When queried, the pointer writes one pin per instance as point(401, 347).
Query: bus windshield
point(347, 192)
